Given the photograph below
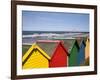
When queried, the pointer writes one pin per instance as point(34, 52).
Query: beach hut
point(81, 53)
point(87, 48)
point(73, 48)
point(56, 52)
point(35, 57)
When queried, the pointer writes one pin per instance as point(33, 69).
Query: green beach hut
point(73, 48)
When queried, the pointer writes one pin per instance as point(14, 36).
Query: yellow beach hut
point(87, 49)
point(35, 57)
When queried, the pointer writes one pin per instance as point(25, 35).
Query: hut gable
point(35, 57)
point(69, 43)
point(81, 41)
point(48, 46)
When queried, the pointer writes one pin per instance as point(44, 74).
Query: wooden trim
point(31, 3)
point(42, 54)
point(64, 48)
point(13, 41)
point(35, 49)
point(28, 56)
point(95, 40)
point(55, 75)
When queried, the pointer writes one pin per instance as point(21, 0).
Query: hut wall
point(59, 59)
point(72, 60)
point(81, 55)
point(36, 60)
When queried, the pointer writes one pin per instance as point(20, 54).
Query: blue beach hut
point(81, 53)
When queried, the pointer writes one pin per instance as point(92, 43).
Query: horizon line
point(56, 31)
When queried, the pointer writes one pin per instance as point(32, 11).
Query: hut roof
point(69, 43)
point(48, 46)
point(80, 41)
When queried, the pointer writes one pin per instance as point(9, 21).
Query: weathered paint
point(81, 54)
point(59, 58)
point(87, 49)
point(37, 59)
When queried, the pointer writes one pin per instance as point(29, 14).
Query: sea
point(30, 37)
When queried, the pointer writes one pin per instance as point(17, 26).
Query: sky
point(54, 21)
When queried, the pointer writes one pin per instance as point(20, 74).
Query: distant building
point(35, 57)
point(56, 51)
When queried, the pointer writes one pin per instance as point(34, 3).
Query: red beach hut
point(57, 52)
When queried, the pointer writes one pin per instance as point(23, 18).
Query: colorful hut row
point(55, 53)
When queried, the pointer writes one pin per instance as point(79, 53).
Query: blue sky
point(54, 21)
